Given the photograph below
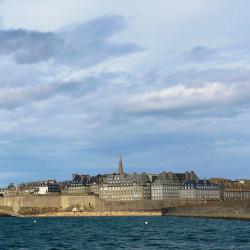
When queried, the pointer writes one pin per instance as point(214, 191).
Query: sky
point(165, 84)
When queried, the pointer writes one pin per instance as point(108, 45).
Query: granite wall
point(235, 209)
point(65, 201)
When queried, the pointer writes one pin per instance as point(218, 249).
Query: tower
point(120, 166)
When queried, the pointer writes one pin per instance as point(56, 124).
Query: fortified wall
point(234, 209)
point(143, 205)
point(64, 202)
point(47, 201)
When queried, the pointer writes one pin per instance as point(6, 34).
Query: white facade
point(43, 190)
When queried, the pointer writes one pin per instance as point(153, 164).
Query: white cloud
point(67, 102)
point(189, 100)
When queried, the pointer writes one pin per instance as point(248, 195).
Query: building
point(84, 184)
point(233, 190)
point(12, 190)
point(49, 187)
point(200, 190)
point(29, 187)
point(187, 176)
point(2, 190)
point(207, 191)
point(125, 187)
point(165, 187)
point(187, 191)
point(95, 182)
point(80, 184)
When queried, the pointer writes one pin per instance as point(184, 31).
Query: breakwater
point(230, 209)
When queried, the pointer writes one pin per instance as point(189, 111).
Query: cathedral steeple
point(120, 166)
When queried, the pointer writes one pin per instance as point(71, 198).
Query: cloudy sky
point(165, 84)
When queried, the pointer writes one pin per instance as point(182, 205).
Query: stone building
point(12, 190)
point(125, 187)
point(187, 191)
point(84, 184)
point(30, 187)
point(80, 184)
point(207, 191)
point(233, 190)
point(165, 187)
point(187, 176)
point(77, 188)
point(199, 190)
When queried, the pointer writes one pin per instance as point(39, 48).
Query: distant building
point(207, 191)
point(84, 184)
point(152, 177)
point(187, 176)
point(80, 184)
point(165, 187)
point(233, 190)
point(50, 187)
point(121, 186)
point(199, 190)
point(188, 191)
point(12, 190)
point(29, 187)
point(2, 190)
point(125, 187)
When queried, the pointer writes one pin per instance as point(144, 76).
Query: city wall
point(64, 202)
point(143, 205)
point(34, 204)
point(233, 209)
point(47, 201)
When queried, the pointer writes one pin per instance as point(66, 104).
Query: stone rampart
point(12, 202)
point(143, 205)
point(62, 202)
point(238, 209)
point(81, 201)
point(48, 201)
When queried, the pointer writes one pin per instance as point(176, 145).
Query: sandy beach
point(108, 213)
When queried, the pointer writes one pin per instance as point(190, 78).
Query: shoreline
point(215, 217)
point(98, 214)
point(128, 214)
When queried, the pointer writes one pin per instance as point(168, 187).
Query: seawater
point(123, 233)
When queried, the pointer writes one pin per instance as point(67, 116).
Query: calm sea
point(123, 233)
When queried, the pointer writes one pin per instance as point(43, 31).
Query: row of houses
point(164, 186)
point(131, 187)
point(37, 187)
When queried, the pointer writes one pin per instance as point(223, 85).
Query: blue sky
point(163, 83)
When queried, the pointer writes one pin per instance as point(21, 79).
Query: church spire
point(120, 166)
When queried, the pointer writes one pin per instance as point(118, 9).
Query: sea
point(123, 233)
